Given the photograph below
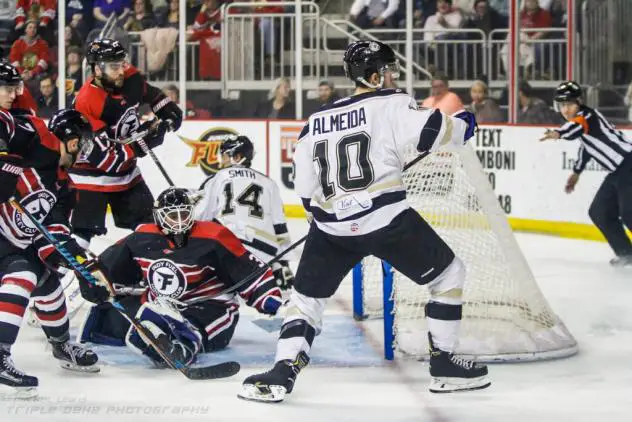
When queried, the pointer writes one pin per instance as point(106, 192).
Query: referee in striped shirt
point(611, 208)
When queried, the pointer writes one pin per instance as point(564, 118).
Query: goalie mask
point(173, 213)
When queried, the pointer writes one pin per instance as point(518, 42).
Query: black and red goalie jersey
point(114, 113)
point(211, 260)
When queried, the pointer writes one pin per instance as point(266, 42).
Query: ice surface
point(592, 299)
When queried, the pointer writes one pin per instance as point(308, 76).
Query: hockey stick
point(277, 258)
point(161, 345)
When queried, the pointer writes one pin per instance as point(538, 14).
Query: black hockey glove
point(98, 293)
point(10, 170)
point(156, 135)
point(283, 275)
point(168, 111)
point(55, 261)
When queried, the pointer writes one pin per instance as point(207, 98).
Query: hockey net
point(505, 315)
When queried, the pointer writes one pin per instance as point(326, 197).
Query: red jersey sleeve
point(90, 102)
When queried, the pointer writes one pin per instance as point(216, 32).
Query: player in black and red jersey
point(29, 265)
point(184, 263)
point(110, 101)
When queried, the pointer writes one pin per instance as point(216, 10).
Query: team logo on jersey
point(289, 138)
point(166, 279)
point(206, 147)
point(127, 124)
point(39, 205)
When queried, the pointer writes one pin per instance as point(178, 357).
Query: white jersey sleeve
point(208, 209)
point(305, 176)
point(425, 129)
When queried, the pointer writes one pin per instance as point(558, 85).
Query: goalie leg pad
point(100, 326)
point(164, 320)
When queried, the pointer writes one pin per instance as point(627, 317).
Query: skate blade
point(69, 366)
point(454, 385)
point(22, 393)
point(270, 394)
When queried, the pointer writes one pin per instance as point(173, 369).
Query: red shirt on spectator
point(538, 19)
point(46, 14)
point(33, 56)
point(205, 19)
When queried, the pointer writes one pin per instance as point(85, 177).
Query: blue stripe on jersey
point(378, 202)
point(430, 131)
point(359, 97)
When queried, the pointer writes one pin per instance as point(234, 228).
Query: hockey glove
point(10, 170)
point(283, 275)
point(470, 119)
point(168, 111)
point(53, 259)
point(95, 293)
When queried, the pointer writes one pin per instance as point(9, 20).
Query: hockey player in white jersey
point(249, 204)
point(349, 165)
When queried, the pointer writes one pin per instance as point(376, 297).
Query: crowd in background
point(29, 41)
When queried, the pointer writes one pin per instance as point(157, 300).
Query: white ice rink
point(594, 301)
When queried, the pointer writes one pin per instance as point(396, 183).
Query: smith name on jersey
point(249, 204)
point(349, 158)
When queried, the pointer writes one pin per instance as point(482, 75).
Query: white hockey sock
point(444, 310)
point(303, 321)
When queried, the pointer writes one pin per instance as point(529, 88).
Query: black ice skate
point(25, 386)
point(272, 386)
point(451, 373)
point(74, 357)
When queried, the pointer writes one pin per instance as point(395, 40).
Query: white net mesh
point(505, 315)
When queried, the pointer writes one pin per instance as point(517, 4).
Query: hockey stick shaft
point(277, 258)
point(156, 161)
point(90, 278)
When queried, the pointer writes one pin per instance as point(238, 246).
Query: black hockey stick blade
point(221, 370)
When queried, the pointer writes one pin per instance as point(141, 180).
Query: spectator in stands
point(47, 99)
point(533, 16)
point(173, 93)
point(373, 13)
point(79, 16)
point(103, 9)
point(441, 96)
point(421, 10)
point(41, 11)
point(208, 16)
point(485, 18)
point(74, 79)
point(501, 6)
point(160, 10)
point(173, 15)
point(141, 18)
point(534, 110)
point(72, 37)
point(30, 54)
point(326, 95)
point(485, 108)
point(279, 104)
point(438, 26)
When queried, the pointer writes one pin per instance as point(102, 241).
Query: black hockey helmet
point(238, 145)
point(173, 212)
point(568, 91)
point(104, 50)
point(364, 58)
point(9, 75)
point(67, 124)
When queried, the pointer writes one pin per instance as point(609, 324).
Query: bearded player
point(110, 101)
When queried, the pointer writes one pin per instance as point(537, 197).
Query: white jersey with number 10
point(348, 160)
point(249, 204)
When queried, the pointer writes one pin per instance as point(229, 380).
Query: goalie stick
point(160, 344)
